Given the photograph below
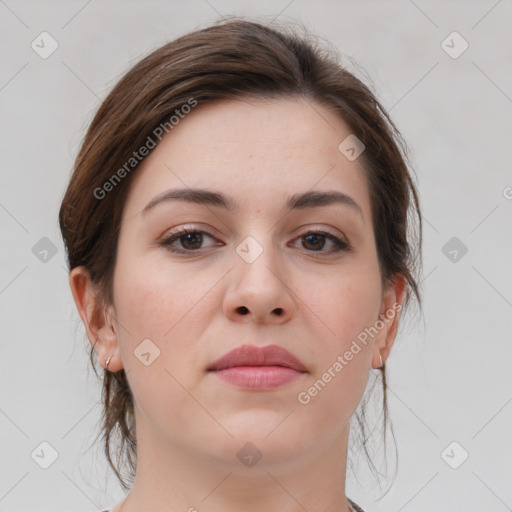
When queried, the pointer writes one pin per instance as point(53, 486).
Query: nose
point(260, 291)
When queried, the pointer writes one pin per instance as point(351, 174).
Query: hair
point(231, 59)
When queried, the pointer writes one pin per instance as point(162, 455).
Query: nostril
point(278, 311)
point(243, 310)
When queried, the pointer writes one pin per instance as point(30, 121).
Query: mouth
point(258, 368)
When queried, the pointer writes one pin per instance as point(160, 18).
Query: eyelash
point(340, 245)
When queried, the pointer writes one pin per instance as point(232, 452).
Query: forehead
point(255, 151)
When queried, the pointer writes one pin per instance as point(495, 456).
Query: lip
point(258, 368)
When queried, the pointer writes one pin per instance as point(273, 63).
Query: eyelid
point(317, 228)
point(184, 228)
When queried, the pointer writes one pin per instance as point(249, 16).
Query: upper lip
point(251, 355)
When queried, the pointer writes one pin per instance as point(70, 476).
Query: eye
point(316, 241)
point(190, 240)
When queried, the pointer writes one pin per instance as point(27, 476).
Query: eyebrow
point(301, 201)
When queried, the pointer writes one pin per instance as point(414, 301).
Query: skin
point(191, 424)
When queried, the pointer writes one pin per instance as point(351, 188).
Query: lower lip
point(258, 377)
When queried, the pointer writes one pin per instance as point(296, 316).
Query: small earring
point(106, 362)
point(381, 362)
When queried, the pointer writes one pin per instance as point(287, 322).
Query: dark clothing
point(355, 506)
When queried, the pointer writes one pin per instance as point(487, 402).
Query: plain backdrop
point(450, 393)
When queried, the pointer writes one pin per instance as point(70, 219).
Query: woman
point(237, 236)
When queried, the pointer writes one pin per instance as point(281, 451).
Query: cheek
point(170, 305)
point(347, 306)
point(153, 303)
point(346, 302)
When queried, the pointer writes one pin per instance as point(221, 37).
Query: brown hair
point(231, 59)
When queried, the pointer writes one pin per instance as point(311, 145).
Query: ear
point(392, 302)
point(97, 318)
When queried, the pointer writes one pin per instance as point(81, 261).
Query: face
point(256, 264)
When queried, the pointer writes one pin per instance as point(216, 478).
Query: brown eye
point(192, 240)
point(185, 240)
point(316, 241)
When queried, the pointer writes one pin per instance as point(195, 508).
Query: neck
point(172, 480)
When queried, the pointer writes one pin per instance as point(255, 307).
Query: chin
point(260, 442)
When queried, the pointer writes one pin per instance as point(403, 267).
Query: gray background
point(449, 374)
